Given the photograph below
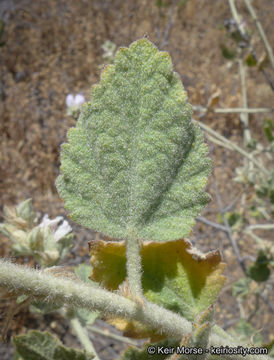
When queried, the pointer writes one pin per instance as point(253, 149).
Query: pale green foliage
point(47, 242)
point(135, 163)
point(38, 345)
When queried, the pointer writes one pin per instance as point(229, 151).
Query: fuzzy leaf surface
point(36, 345)
point(175, 276)
point(135, 162)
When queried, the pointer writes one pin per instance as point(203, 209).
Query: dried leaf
point(175, 276)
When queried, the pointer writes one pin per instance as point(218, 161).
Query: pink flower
point(75, 101)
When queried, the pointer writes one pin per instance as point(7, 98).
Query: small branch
point(266, 301)
point(245, 36)
point(244, 115)
point(75, 294)
point(116, 337)
point(59, 290)
point(82, 335)
point(256, 308)
point(244, 110)
point(13, 310)
point(220, 143)
point(234, 110)
point(236, 17)
point(229, 232)
point(261, 227)
point(211, 223)
point(233, 145)
point(233, 202)
point(261, 32)
point(171, 15)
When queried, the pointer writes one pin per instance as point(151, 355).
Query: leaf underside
point(135, 162)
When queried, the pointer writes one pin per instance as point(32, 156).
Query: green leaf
point(241, 287)
point(258, 273)
point(25, 211)
point(259, 270)
point(268, 129)
point(233, 218)
point(83, 271)
point(44, 308)
point(36, 345)
point(250, 60)
point(245, 332)
point(135, 162)
point(228, 53)
point(270, 348)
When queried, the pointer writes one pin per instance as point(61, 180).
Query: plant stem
point(233, 145)
point(51, 289)
point(134, 264)
point(261, 32)
point(243, 110)
point(244, 115)
point(111, 335)
point(229, 233)
point(83, 337)
point(212, 223)
point(59, 290)
point(261, 227)
point(233, 110)
point(236, 17)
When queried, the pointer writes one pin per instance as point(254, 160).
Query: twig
point(211, 223)
point(232, 110)
point(75, 294)
point(13, 310)
point(234, 243)
point(52, 289)
point(256, 308)
point(220, 143)
point(243, 110)
point(261, 32)
point(233, 201)
point(244, 115)
point(82, 335)
point(237, 17)
point(171, 15)
point(108, 334)
point(229, 232)
point(233, 145)
point(245, 36)
point(261, 227)
point(271, 307)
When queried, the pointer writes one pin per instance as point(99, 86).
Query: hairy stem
point(37, 283)
point(83, 337)
point(134, 265)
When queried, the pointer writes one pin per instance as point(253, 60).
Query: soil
point(53, 48)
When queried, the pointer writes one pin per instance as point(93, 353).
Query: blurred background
point(52, 48)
